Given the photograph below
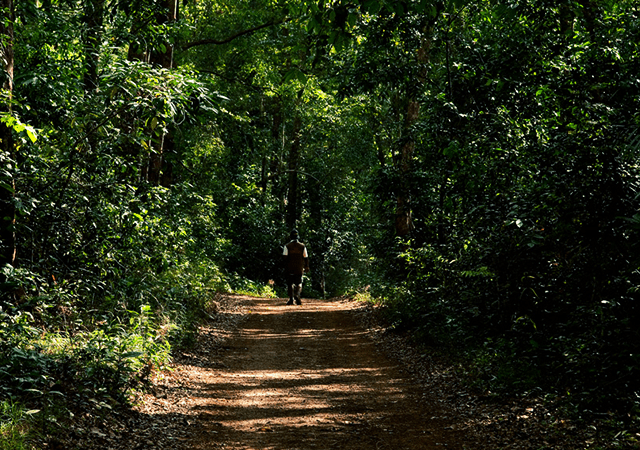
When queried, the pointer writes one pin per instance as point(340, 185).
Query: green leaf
point(333, 36)
point(372, 6)
point(7, 187)
point(311, 25)
point(32, 134)
point(295, 74)
point(37, 391)
point(352, 19)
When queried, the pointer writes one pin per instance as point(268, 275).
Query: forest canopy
point(471, 166)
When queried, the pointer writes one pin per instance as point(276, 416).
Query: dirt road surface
point(308, 377)
point(323, 375)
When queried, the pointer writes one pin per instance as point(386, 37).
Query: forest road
point(308, 377)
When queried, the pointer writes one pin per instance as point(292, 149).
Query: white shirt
point(286, 252)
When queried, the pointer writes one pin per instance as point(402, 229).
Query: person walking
point(296, 262)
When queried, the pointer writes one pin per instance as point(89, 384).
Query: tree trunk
point(154, 163)
point(294, 159)
point(166, 179)
point(404, 223)
point(164, 58)
point(7, 188)
point(155, 168)
point(403, 220)
point(157, 161)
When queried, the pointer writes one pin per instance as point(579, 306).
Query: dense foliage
point(523, 187)
point(471, 165)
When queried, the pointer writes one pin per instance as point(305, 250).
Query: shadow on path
point(307, 377)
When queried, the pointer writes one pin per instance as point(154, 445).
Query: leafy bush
point(15, 427)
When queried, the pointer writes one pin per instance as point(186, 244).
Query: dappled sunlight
point(314, 375)
point(303, 378)
point(306, 368)
point(261, 334)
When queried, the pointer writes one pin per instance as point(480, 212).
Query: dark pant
point(294, 285)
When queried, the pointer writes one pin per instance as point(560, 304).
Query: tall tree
point(7, 183)
point(293, 195)
point(399, 35)
point(160, 169)
point(157, 50)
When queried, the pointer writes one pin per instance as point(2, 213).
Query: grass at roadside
point(16, 430)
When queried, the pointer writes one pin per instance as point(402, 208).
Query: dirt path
point(308, 377)
point(324, 375)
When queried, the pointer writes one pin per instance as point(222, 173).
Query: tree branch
point(189, 45)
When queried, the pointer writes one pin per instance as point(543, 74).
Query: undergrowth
point(500, 369)
point(14, 426)
point(61, 357)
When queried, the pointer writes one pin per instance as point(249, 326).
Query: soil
point(308, 377)
point(297, 377)
point(322, 375)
